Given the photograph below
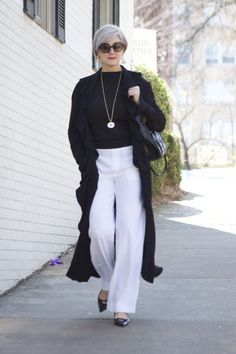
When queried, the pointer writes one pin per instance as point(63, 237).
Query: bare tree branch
point(181, 26)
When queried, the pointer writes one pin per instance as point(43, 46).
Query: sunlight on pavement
point(211, 198)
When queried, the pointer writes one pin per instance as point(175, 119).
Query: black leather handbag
point(153, 142)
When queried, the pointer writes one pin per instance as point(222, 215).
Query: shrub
point(160, 91)
point(172, 178)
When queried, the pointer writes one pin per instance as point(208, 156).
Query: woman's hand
point(135, 93)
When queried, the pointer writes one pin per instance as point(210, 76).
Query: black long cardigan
point(85, 154)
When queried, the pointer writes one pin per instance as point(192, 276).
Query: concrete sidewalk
point(190, 309)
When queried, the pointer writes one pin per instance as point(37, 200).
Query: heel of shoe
point(102, 304)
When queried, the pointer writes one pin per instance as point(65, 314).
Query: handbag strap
point(164, 169)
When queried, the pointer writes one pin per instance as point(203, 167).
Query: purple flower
point(56, 261)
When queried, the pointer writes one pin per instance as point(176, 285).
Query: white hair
point(104, 33)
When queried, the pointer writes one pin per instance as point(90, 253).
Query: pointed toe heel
point(102, 304)
point(121, 322)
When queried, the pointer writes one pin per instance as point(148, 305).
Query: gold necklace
point(110, 124)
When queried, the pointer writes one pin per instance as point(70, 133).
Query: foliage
point(172, 177)
point(160, 91)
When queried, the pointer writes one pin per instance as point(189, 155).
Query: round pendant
point(111, 124)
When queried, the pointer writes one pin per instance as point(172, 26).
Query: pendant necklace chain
point(110, 124)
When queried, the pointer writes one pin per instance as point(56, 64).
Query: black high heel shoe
point(121, 322)
point(102, 304)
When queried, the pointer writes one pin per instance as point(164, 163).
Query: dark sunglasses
point(105, 47)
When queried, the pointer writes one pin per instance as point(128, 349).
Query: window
point(228, 56)
point(227, 59)
point(49, 14)
point(105, 12)
point(183, 54)
point(212, 54)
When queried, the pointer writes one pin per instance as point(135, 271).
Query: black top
point(104, 137)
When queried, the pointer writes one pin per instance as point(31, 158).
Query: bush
point(172, 178)
point(160, 91)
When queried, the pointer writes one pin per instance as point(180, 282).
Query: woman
point(117, 233)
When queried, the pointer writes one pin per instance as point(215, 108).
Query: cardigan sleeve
point(148, 107)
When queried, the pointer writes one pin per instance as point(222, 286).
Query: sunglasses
point(105, 47)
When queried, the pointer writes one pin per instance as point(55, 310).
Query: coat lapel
point(88, 85)
point(129, 79)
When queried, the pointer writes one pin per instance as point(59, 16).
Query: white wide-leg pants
point(117, 228)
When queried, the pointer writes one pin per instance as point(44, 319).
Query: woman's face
point(111, 61)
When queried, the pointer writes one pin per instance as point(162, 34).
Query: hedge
point(172, 176)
